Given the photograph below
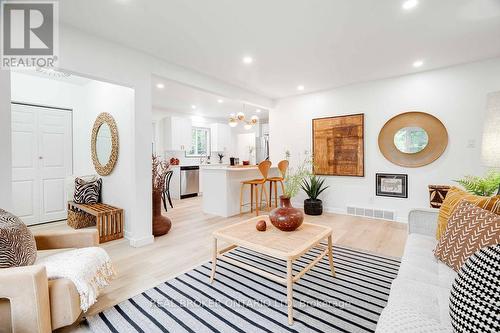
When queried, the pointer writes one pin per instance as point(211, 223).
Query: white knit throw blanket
point(89, 268)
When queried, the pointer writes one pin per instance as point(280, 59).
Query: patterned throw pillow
point(437, 194)
point(17, 244)
point(469, 229)
point(453, 198)
point(475, 294)
point(87, 192)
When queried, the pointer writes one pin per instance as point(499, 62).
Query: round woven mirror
point(104, 144)
point(413, 139)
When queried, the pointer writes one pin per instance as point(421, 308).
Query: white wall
point(456, 95)
point(98, 97)
point(87, 101)
point(5, 142)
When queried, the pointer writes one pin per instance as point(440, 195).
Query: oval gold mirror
point(413, 139)
point(104, 144)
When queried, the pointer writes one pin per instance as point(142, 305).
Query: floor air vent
point(372, 212)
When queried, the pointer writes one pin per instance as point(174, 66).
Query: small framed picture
point(391, 185)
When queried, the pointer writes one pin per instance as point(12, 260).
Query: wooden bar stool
point(264, 167)
point(273, 181)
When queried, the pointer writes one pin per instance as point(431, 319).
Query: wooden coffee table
point(275, 243)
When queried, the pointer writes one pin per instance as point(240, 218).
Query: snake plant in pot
point(313, 187)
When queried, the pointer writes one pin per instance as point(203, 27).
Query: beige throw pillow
point(469, 229)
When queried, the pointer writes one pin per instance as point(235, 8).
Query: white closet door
point(50, 132)
point(25, 184)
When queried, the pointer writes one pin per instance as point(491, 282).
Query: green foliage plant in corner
point(485, 186)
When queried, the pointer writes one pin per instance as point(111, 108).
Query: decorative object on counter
point(286, 217)
point(485, 186)
point(261, 225)
point(251, 150)
point(246, 162)
point(413, 139)
point(391, 185)
point(490, 148)
point(221, 156)
point(273, 182)
point(338, 146)
point(104, 144)
point(161, 224)
point(239, 117)
point(313, 187)
point(437, 194)
point(165, 195)
point(174, 161)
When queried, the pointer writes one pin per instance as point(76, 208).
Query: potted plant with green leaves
point(485, 186)
point(313, 187)
point(286, 217)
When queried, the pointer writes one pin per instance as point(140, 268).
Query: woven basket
point(79, 219)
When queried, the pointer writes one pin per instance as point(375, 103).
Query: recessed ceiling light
point(410, 4)
point(418, 63)
point(220, 101)
point(258, 110)
point(300, 88)
point(160, 85)
point(193, 107)
point(247, 60)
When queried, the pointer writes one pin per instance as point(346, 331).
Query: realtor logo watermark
point(30, 33)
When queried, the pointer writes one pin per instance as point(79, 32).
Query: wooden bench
point(109, 219)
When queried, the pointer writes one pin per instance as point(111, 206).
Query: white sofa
point(419, 296)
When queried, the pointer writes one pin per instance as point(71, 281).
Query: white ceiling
point(317, 43)
point(175, 98)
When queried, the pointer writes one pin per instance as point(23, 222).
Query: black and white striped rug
point(241, 301)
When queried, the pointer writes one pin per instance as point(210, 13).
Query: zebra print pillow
point(87, 192)
point(17, 244)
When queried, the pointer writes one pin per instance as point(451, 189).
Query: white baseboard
point(139, 242)
point(342, 211)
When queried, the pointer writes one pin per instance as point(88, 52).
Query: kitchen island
point(221, 187)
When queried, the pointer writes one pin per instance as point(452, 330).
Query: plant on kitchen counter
point(313, 187)
point(221, 156)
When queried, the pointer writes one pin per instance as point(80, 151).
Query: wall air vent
point(372, 213)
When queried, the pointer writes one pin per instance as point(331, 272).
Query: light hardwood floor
point(188, 244)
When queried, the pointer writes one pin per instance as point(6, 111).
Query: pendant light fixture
point(240, 118)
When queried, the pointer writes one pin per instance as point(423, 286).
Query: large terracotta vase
point(285, 217)
point(161, 224)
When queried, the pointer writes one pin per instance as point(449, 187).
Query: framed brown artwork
point(338, 146)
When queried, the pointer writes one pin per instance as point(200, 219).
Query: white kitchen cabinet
point(221, 137)
point(176, 133)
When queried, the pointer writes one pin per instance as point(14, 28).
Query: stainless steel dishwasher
point(190, 181)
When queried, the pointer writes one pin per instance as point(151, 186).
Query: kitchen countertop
point(233, 168)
